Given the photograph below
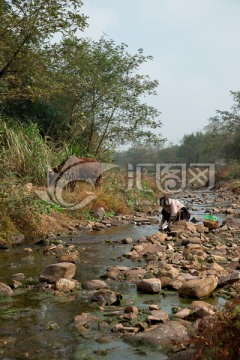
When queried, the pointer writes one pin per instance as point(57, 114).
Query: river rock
point(149, 286)
point(18, 239)
point(98, 226)
point(193, 250)
point(219, 259)
point(191, 240)
point(18, 277)
point(85, 320)
point(125, 329)
point(175, 284)
point(158, 316)
point(99, 213)
point(182, 313)
point(189, 354)
point(144, 250)
point(231, 222)
point(131, 309)
point(229, 279)
point(52, 273)
point(202, 312)
point(5, 289)
point(94, 285)
point(116, 272)
point(201, 228)
point(170, 333)
point(169, 271)
point(198, 304)
point(127, 240)
point(157, 238)
point(106, 297)
point(199, 288)
point(134, 275)
point(182, 226)
point(15, 284)
point(73, 257)
point(65, 285)
point(217, 268)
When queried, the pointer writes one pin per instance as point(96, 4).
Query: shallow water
point(41, 324)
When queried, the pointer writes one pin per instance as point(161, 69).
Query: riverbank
point(128, 285)
point(27, 211)
point(26, 215)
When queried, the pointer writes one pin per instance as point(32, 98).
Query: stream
point(38, 325)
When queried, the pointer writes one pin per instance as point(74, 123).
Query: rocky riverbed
point(141, 292)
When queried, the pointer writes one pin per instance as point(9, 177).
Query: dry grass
point(113, 196)
point(219, 339)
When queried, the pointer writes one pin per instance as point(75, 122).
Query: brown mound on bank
point(56, 223)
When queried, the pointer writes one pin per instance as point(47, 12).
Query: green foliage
point(87, 215)
point(83, 93)
point(26, 25)
point(224, 129)
point(109, 214)
point(43, 207)
point(100, 93)
point(23, 152)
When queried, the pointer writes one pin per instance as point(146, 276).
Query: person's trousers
point(183, 214)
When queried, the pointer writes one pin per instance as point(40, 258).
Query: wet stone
point(52, 273)
point(149, 286)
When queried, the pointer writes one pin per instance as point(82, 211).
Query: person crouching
point(172, 210)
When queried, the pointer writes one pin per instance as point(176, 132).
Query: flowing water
point(38, 325)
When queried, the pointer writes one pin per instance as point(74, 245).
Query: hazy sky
point(196, 50)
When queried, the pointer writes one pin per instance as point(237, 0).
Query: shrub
point(222, 340)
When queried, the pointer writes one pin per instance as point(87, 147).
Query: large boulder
point(199, 287)
point(52, 273)
point(149, 286)
point(170, 333)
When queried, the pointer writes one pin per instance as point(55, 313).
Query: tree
point(224, 128)
point(194, 148)
point(25, 27)
point(101, 92)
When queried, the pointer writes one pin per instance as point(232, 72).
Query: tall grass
point(24, 153)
